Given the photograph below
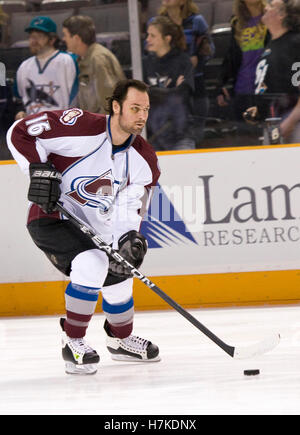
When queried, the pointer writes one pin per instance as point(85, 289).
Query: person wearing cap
point(49, 79)
point(99, 69)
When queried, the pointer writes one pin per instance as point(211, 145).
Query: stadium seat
point(13, 58)
point(50, 5)
point(152, 9)
point(108, 38)
point(108, 18)
point(221, 34)
point(119, 44)
point(207, 10)
point(222, 12)
point(10, 6)
point(20, 44)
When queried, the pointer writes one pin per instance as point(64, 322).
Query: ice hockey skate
point(131, 348)
point(79, 357)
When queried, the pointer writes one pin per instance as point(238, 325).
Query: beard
point(131, 128)
point(34, 50)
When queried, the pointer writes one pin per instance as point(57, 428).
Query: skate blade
point(133, 359)
point(83, 369)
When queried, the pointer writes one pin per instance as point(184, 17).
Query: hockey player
point(103, 170)
point(47, 80)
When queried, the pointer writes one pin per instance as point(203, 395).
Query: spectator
point(248, 38)
point(277, 86)
point(200, 47)
point(99, 69)
point(169, 72)
point(3, 19)
point(48, 79)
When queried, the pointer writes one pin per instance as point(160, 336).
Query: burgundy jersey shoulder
point(23, 135)
point(148, 153)
point(75, 122)
point(59, 123)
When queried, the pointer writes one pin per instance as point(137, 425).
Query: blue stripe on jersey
point(82, 292)
point(117, 309)
point(41, 70)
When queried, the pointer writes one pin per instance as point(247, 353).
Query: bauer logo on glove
point(47, 174)
point(44, 187)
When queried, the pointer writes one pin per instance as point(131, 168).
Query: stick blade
point(257, 349)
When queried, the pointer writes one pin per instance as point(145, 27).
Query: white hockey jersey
point(51, 87)
point(79, 145)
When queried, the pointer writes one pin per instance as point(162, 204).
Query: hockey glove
point(133, 248)
point(44, 187)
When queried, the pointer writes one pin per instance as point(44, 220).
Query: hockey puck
point(251, 372)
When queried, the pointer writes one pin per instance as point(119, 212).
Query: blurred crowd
point(257, 87)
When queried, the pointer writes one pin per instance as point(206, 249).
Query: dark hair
point(57, 41)
point(120, 92)
point(83, 26)
point(292, 19)
point(167, 27)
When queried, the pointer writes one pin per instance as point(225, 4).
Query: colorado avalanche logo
point(70, 116)
point(87, 190)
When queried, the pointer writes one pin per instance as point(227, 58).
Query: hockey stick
point(235, 352)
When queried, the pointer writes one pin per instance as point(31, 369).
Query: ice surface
point(194, 377)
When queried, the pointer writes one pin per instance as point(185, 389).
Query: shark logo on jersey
point(261, 71)
point(40, 96)
point(87, 190)
point(70, 116)
point(159, 81)
point(162, 226)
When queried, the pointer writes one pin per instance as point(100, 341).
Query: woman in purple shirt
point(248, 39)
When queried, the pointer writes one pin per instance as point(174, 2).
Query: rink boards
point(223, 229)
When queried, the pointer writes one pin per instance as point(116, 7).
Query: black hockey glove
point(133, 248)
point(44, 187)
